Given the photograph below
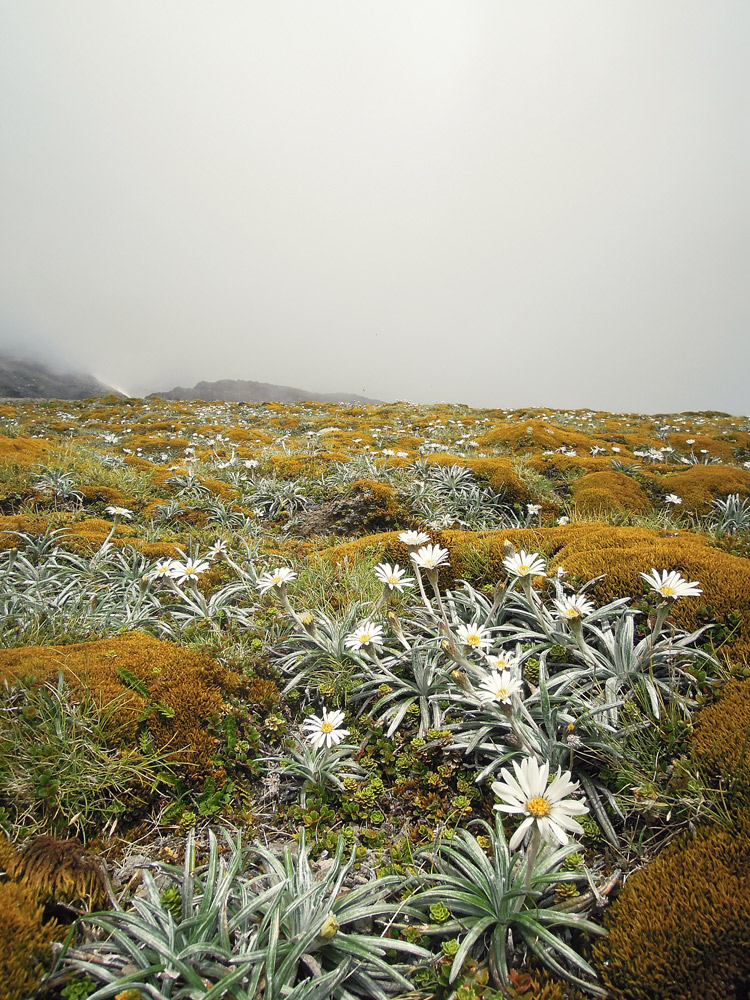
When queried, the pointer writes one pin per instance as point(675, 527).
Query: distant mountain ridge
point(25, 379)
point(230, 390)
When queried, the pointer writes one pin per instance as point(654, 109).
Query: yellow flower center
point(537, 807)
point(571, 612)
point(666, 591)
point(326, 728)
point(523, 568)
point(502, 692)
point(364, 638)
point(473, 639)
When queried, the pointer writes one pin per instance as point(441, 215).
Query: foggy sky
point(492, 202)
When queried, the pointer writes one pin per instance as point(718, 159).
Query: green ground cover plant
point(413, 691)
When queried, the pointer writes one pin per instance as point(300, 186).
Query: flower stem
point(531, 855)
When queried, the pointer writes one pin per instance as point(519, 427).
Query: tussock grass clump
point(63, 767)
point(170, 691)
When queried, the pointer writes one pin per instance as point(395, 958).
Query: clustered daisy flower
point(278, 577)
point(123, 512)
point(393, 577)
point(671, 585)
point(368, 634)
point(324, 731)
point(502, 661)
point(475, 636)
point(219, 548)
point(413, 538)
point(547, 807)
point(525, 564)
point(188, 570)
point(161, 569)
point(499, 685)
point(574, 608)
point(429, 557)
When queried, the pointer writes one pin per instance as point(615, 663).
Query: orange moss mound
point(23, 450)
point(501, 477)
point(84, 537)
point(141, 464)
point(106, 495)
point(681, 927)
point(721, 737)
point(537, 435)
point(597, 492)
point(557, 466)
point(24, 524)
point(189, 683)
point(700, 485)
point(25, 941)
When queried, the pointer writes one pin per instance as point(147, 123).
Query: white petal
point(520, 833)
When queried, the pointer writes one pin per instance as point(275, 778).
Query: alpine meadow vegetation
point(323, 701)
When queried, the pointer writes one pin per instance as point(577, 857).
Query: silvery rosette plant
point(321, 758)
point(498, 901)
point(269, 930)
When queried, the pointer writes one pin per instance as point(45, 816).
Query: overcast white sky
point(494, 202)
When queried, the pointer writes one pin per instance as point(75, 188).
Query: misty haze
point(480, 202)
point(374, 500)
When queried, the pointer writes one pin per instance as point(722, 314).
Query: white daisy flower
point(544, 805)
point(367, 634)
point(672, 498)
point(671, 584)
point(574, 608)
point(502, 661)
point(525, 564)
point(278, 577)
point(188, 570)
point(430, 557)
point(475, 636)
point(500, 686)
point(324, 731)
point(218, 549)
point(161, 568)
point(414, 538)
point(393, 577)
point(119, 512)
